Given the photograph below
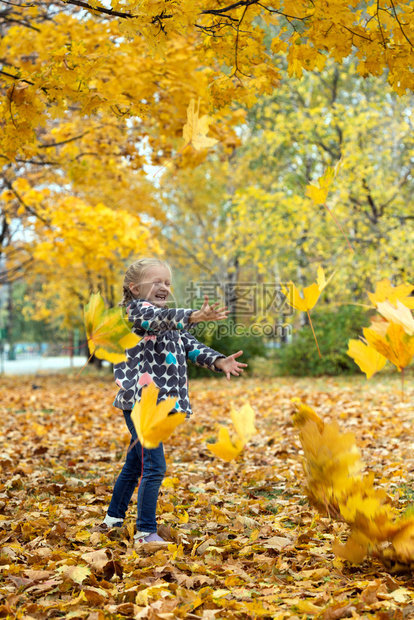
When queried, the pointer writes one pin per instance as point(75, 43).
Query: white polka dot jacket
point(160, 356)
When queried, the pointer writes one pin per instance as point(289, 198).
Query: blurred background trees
point(89, 116)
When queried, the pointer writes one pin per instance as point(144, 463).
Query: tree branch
point(52, 144)
point(99, 9)
point(20, 199)
point(400, 24)
point(15, 77)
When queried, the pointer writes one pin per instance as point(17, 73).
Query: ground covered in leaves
point(244, 541)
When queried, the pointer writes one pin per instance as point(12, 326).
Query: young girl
point(160, 356)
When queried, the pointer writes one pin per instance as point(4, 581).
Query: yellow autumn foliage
point(336, 487)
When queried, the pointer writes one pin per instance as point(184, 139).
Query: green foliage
point(252, 347)
point(333, 330)
point(25, 329)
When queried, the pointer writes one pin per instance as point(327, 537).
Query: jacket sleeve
point(145, 316)
point(199, 353)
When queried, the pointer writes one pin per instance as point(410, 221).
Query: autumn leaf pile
point(336, 486)
point(244, 541)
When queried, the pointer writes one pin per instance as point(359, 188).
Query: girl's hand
point(229, 365)
point(209, 313)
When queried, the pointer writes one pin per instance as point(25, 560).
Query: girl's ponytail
point(126, 297)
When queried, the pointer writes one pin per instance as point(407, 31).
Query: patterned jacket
point(160, 356)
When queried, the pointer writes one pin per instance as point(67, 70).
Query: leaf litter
point(245, 543)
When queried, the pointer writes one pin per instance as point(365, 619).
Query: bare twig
point(400, 24)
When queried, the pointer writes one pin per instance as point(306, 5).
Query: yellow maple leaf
point(304, 413)
point(368, 359)
point(194, 132)
point(360, 503)
point(228, 448)
point(304, 302)
point(353, 550)
point(310, 296)
point(243, 422)
point(332, 463)
point(151, 420)
point(196, 129)
point(385, 292)
point(379, 325)
point(400, 314)
point(321, 278)
point(396, 345)
point(108, 332)
point(319, 193)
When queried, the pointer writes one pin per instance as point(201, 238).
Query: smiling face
point(155, 286)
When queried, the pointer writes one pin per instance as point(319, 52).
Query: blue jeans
point(153, 474)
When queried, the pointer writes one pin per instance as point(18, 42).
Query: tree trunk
point(302, 263)
point(230, 292)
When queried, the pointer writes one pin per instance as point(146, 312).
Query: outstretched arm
point(200, 354)
point(230, 366)
point(147, 316)
point(209, 312)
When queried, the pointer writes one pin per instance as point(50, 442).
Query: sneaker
point(141, 538)
point(112, 522)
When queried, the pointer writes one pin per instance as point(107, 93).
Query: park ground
point(245, 543)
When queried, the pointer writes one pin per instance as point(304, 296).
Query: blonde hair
point(134, 275)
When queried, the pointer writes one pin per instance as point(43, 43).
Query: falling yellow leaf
point(303, 303)
point(151, 420)
point(304, 413)
point(196, 129)
point(229, 448)
point(352, 550)
point(403, 540)
point(226, 448)
point(321, 279)
point(108, 332)
point(400, 314)
point(320, 193)
point(336, 486)
point(310, 297)
point(397, 346)
point(194, 132)
point(368, 359)
point(243, 422)
point(385, 292)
